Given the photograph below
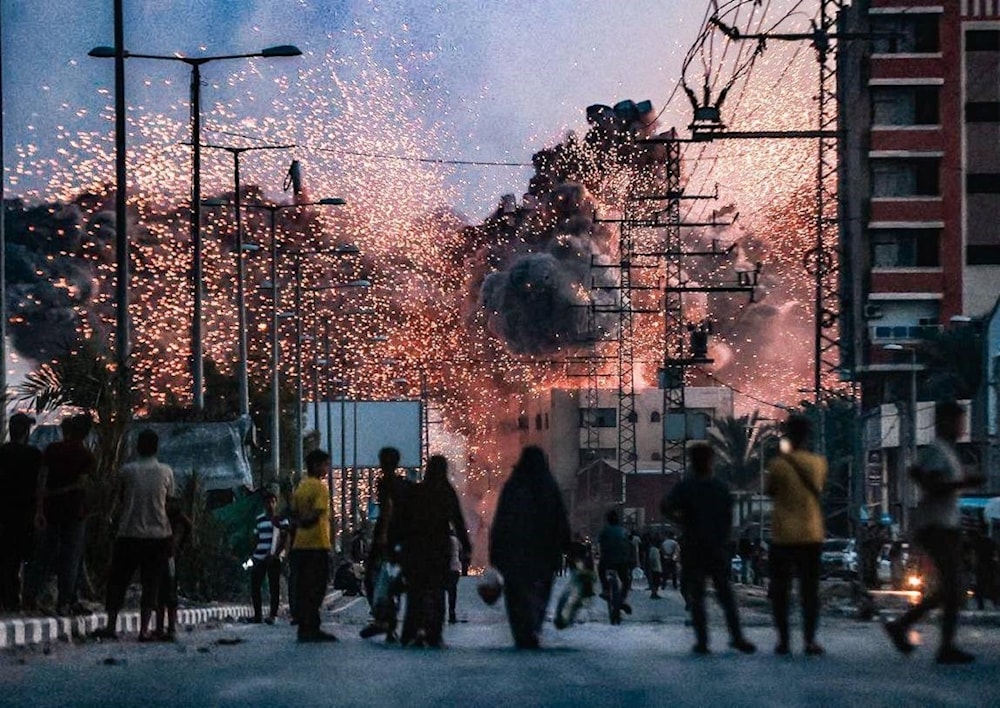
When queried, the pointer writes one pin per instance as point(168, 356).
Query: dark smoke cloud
point(540, 303)
point(552, 289)
point(53, 254)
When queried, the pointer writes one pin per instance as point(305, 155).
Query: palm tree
point(737, 442)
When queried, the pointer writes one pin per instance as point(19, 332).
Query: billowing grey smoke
point(554, 294)
point(554, 291)
point(53, 254)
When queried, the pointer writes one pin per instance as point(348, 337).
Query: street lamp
point(347, 249)
point(241, 308)
point(104, 52)
point(911, 428)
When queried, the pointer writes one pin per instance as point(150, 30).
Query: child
point(166, 607)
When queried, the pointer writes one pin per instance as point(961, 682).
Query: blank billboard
point(371, 425)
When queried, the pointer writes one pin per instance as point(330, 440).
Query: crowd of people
point(420, 546)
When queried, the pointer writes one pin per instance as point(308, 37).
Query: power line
point(386, 156)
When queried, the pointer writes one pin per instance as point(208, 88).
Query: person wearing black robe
point(529, 535)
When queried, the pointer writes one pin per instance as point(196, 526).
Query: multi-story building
point(587, 467)
point(919, 93)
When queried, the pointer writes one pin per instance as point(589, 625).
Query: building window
point(982, 255)
point(906, 34)
point(522, 423)
point(906, 177)
point(538, 421)
point(982, 112)
point(906, 320)
point(599, 417)
point(979, 183)
point(654, 417)
point(546, 421)
point(608, 454)
point(905, 105)
point(905, 248)
point(982, 41)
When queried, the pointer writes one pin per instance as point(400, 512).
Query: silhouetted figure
point(61, 512)
point(19, 467)
point(426, 530)
point(795, 482)
point(529, 535)
point(939, 474)
point(670, 550)
point(181, 527)
point(392, 492)
point(703, 506)
point(616, 554)
point(985, 568)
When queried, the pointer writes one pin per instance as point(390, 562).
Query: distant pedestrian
point(938, 472)
point(529, 535)
point(455, 564)
point(144, 533)
point(985, 567)
point(703, 505)
point(67, 466)
point(581, 554)
point(392, 493)
point(311, 509)
point(20, 464)
point(432, 513)
point(654, 569)
point(795, 483)
point(270, 531)
point(671, 552)
point(616, 555)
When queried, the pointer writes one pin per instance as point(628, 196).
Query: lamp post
point(361, 283)
point(241, 307)
point(349, 249)
point(763, 435)
point(103, 52)
point(272, 210)
point(911, 426)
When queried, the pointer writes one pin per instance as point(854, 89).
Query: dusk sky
point(500, 79)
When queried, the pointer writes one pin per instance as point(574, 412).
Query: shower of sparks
point(420, 328)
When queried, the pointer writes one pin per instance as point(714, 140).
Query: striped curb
point(22, 632)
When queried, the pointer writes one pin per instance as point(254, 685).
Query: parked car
point(839, 558)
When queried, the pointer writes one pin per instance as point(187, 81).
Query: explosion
point(469, 315)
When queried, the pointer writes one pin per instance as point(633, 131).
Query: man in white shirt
point(939, 474)
point(144, 533)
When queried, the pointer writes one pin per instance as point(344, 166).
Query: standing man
point(795, 482)
point(311, 509)
point(60, 509)
point(671, 551)
point(704, 508)
point(271, 531)
point(939, 474)
point(19, 467)
point(144, 533)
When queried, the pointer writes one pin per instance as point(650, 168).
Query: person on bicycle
point(616, 556)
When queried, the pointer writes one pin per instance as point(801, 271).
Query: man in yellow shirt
point(795, 483)
point(311, 512)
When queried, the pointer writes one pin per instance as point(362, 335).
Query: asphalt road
point(643, 662)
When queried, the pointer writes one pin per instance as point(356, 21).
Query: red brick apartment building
point(920, 204)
